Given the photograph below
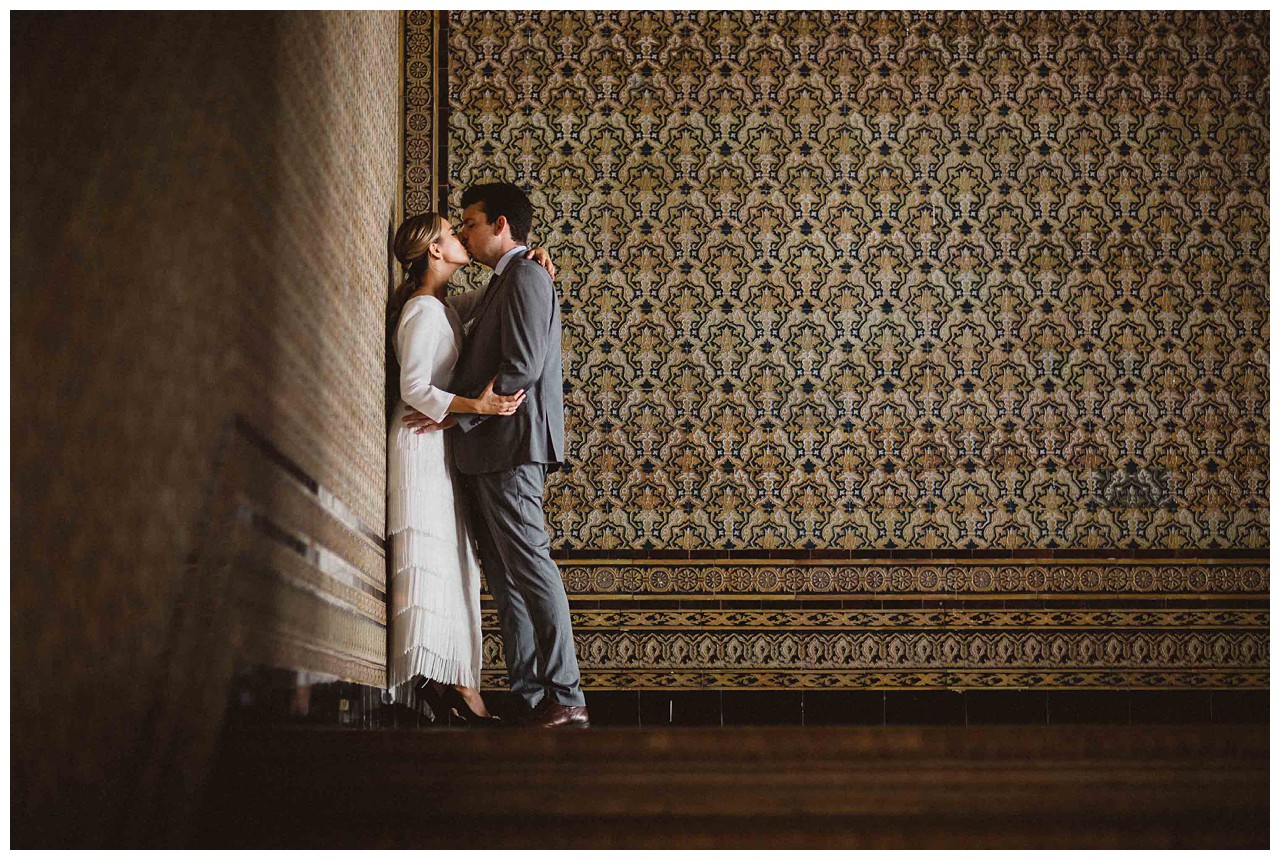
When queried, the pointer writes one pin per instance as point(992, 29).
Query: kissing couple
point(479, 425)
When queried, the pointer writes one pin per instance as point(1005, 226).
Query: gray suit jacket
point(514, 336)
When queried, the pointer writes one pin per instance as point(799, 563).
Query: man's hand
point(419, 423)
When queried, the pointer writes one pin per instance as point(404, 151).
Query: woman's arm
point(542, 257)
point(420, 337)
point(488, 403)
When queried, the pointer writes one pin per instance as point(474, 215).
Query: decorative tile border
point(921, 650)
point(1111, 644)
point(919, 619)
point(908, 680)
point(946, 648)
point(827, 578)
point(425, 74)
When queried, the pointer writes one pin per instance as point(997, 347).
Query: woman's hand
point(419, 423)
point(490, 403)
point(540, 256)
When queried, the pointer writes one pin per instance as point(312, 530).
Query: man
point(514, 339)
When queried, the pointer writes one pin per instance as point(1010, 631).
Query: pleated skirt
point(435, 579)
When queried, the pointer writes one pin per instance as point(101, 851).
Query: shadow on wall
point(195, 254)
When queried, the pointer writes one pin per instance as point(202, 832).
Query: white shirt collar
point(506, 258)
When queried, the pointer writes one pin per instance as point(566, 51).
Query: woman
point(435, 579)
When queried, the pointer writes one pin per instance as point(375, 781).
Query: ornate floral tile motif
point(865, 282)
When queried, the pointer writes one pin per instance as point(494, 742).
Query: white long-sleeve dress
point(435, 583)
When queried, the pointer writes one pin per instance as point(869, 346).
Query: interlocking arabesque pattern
point(877, 280)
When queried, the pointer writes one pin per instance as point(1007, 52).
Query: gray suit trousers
point(533, 609)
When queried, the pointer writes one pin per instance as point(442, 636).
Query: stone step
point(997, 786)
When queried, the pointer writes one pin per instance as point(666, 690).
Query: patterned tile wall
point(891, 279)
point(843, 286)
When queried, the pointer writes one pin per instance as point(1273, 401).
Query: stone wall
point(201, 212)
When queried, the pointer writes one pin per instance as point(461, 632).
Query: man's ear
point(500, 225)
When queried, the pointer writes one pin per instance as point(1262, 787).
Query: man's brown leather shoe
point(555, 716)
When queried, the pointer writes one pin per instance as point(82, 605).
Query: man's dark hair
point(502, 199)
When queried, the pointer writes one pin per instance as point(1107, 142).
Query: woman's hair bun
point(414, 238)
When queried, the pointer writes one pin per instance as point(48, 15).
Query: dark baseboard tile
point(1082, 707)
point(1151, 707)
point(1006, 707)
point(1240, 706)
point(763, 708)
point(614, 708)
point(679, 708)
point(924, 707)
point(843, 707)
